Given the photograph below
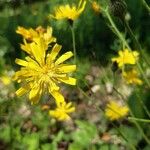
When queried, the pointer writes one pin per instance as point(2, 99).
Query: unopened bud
point(118, 8)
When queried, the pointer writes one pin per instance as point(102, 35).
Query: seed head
point(118, 8)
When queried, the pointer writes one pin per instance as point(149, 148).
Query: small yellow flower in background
point(69, 12)
point(41, 72)
point(5, 79)
point(96, 7)
point(31, 34)
point(114, 111)
point(126, 57)
point(62, 110)
point(131, 77)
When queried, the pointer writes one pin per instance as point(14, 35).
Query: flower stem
point(121, 37)
point(139, 119)
point(73, 43)
point(138, 46)
point(141, 103)
point(146, 5)
point(101, 110)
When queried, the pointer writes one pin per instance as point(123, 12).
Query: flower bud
point(118, 8)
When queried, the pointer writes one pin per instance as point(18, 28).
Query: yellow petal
point(21, 62)
point(35, 94)
point(53, 86)
point(38, 50)
point(58, 97)
point(55, 50)
point(21, 91)
point(67, 68)
point(64, 57)
point(68, 80)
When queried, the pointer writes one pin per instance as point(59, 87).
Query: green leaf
point(32, 141)
point(75, 146)
point(59, 136)
point(130, 133)
point(52, 146)
point(5, 134)
point(108, 147)
point(84, 136)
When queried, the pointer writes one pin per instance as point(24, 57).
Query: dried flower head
point(96, 7)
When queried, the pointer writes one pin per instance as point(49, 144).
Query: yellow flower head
point(62, 110)
point(5, 79)
point(126, 57)
point(69, 12)
point(114, 111)
point(41, 72)
point(31, 34)
point(131, 77)
point(96, 7)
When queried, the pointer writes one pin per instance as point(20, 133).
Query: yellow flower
point(114, 111)
point(41, 72)
point(96, 7)
point(131, 77)
point(69, 12)
point(62, 110)
point(5, 79)
point(31, 34)
point(126, 57)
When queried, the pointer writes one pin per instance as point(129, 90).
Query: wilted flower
point(31, 34)
point(62, 110)
point(96, 7)
point(41, 72)
point(131, 77)
point(126, 57)
point(69, 12)
point(114, 111)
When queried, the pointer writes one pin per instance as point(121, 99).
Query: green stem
point(132, 115)
point(135, 41)
point(73, 43)
point(121, 37)
point(124, 137)
point(141, 103)
point(146, 5)
point(132, 35)
point(139, 119)
point(101, 110)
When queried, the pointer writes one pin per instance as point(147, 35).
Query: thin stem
point(146, 5)
point(101, 110)
point(139, 119)
point(134, 121)
point(121, 37)
point(73, 42)
point(144, 106)
point(135, 41)
point(132, 35)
